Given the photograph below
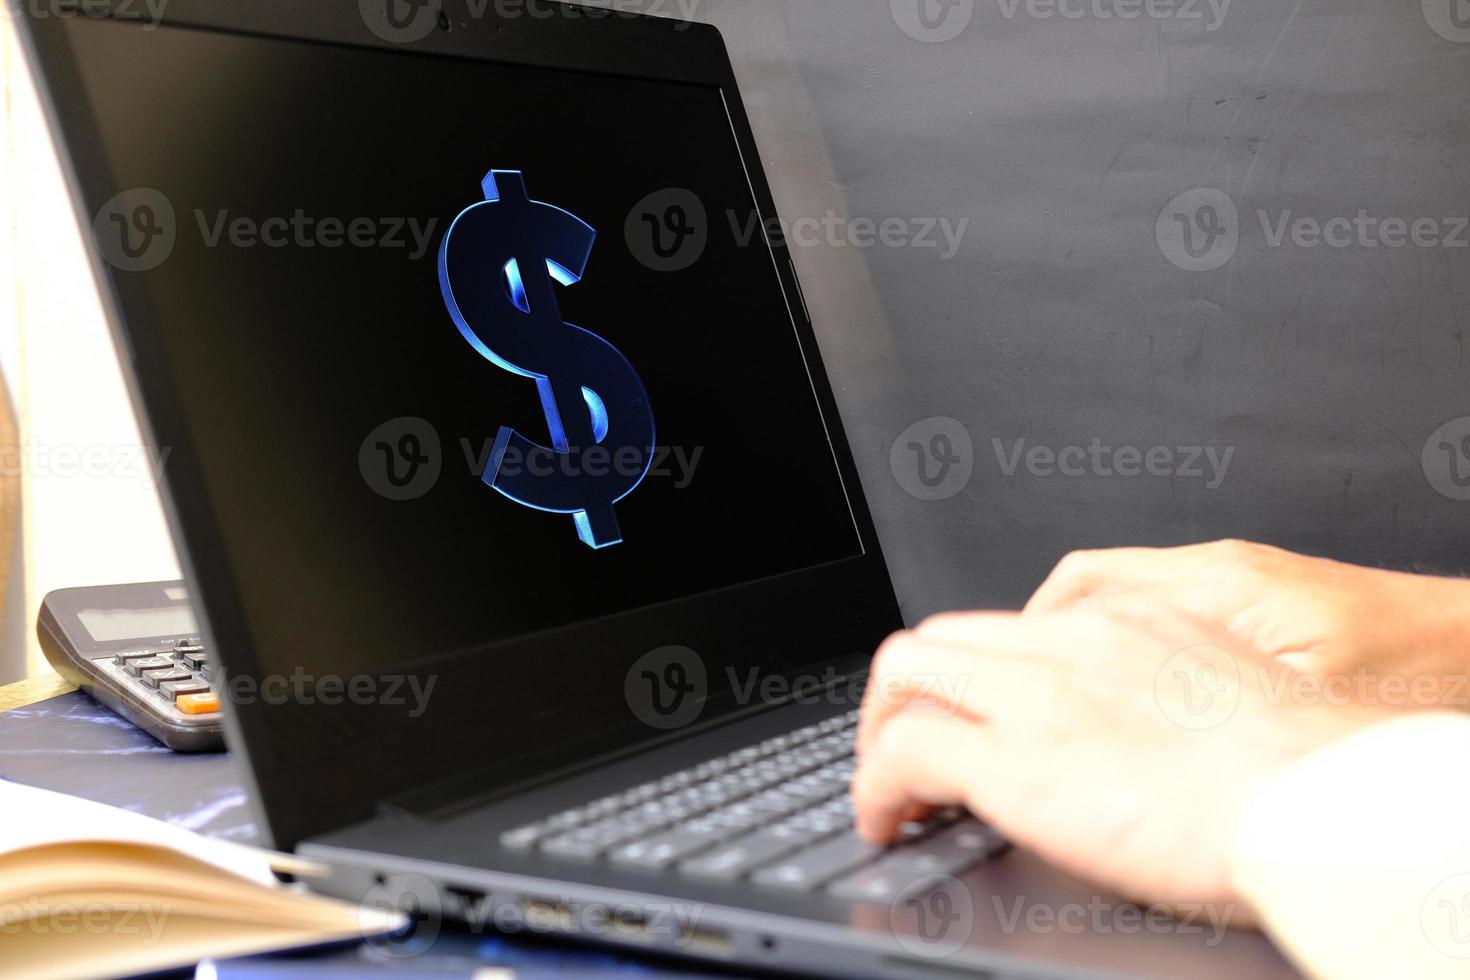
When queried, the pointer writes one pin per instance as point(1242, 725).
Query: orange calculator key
point(197, 704)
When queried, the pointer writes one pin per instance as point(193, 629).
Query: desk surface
point(69, 743)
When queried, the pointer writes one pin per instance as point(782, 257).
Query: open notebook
point(89, 890)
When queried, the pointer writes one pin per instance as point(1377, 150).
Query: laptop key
point(818, 864)
point(713, 831)
point(658, 852)
point(572, 848)
point(948, 851)
point(731, 861)
point(873, 884)
point(522, 838)
point(795, 834)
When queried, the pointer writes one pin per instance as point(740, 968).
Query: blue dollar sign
point(497, 266)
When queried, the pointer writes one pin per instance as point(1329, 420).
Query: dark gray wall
point(1325, 371)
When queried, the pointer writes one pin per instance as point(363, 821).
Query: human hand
point(1324, 617)
point(1118, 742)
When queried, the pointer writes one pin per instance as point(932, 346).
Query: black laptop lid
point(498, 437)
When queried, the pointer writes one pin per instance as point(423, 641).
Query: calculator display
point(105, 625)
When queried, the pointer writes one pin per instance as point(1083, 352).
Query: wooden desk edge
point(22, 693)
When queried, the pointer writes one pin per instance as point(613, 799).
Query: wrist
point(1338, 852)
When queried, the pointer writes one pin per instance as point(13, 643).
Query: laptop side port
point(706, 942)
point(463, 902)
point(546, 915)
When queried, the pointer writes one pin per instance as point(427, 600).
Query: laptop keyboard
point(777, 813)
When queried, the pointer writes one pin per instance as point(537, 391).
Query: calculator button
point(192, 686)
point(137, 667)
point(154, 678)
point(194, 661)
point(197, 704)
point(127, 655)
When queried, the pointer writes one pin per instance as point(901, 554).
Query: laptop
point(507, 476)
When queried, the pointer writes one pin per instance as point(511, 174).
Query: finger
point(921, 760)
point(1083, 573)
point(997, 671)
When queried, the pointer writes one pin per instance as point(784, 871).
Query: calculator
point(136, 649)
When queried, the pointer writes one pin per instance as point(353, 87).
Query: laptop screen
point(402, 297)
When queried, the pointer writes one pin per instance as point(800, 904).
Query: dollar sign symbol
point(497, 266)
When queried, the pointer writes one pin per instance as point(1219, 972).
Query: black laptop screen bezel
point(799, 620)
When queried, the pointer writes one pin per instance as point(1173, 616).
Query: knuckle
point(1074, 564)
point(1238, 557)
point(937, 623)
point(1236, 549)
point(895, 740)
point(891, 652)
